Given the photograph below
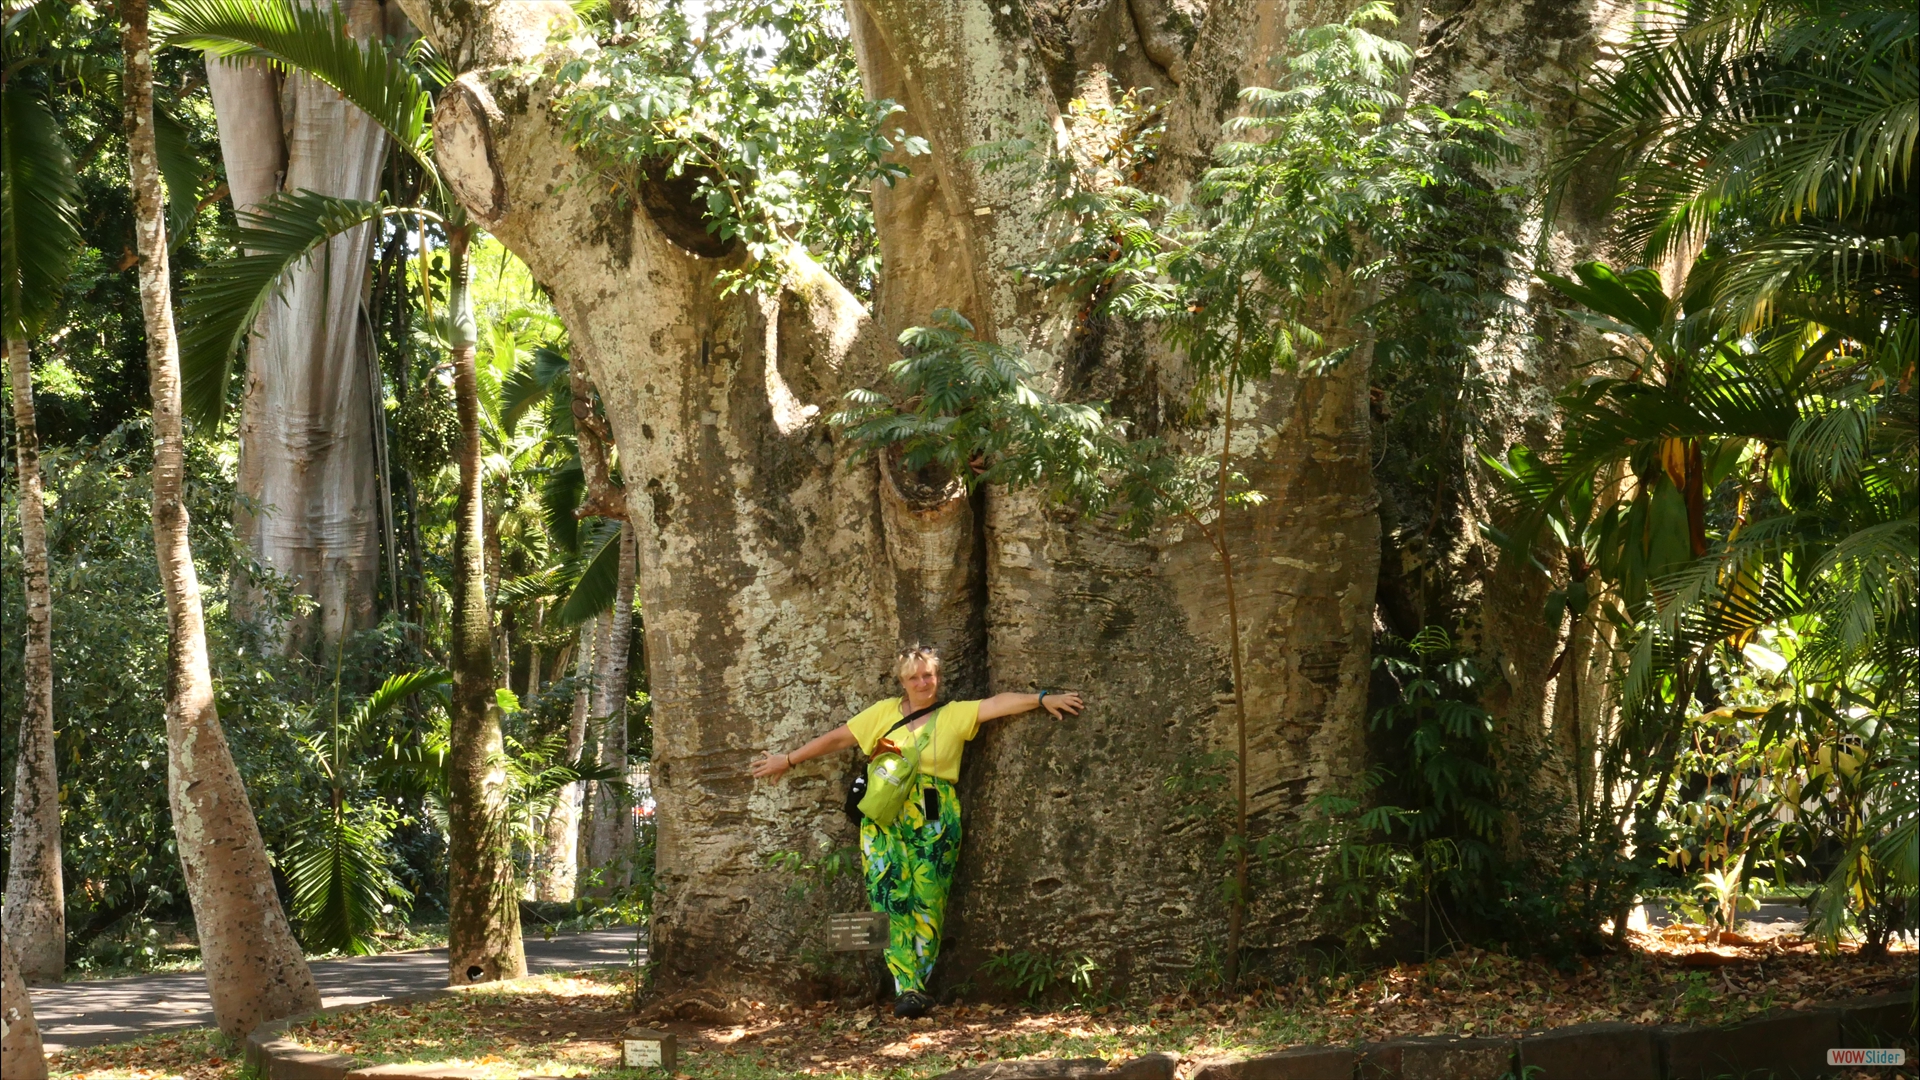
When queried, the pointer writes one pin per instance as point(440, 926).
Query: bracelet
point(1042, 701)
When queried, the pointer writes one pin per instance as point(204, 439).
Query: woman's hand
point(1057, 702)
point(1065, 702)
point(771, 766)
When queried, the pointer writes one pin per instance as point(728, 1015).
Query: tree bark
point(36, 909)
point(1535, 55)
point(254, 968)
point(612, 844)
point(309, 467)
point(779, 574)
point(21, 1055)
point(483, 909)
point(561, 860)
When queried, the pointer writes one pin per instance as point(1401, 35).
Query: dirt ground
point(571, 1025)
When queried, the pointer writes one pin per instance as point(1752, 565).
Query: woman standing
point(910, 863)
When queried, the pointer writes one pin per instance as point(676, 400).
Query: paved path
point(115, 1010)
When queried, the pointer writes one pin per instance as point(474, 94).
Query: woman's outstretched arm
point(770, 766)
point(1057, 702)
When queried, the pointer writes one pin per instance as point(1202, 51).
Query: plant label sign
point(643, 1048)
point(860, 931)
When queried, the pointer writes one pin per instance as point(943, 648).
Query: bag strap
point(905, 720)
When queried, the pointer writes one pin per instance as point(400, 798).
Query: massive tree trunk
point(611, 847)
point(483, 907)
point(779, 575)
point(309, 477)
point(1548, 686)
point(255, 971)
point(36, 913)
point(560, 862)
point(21, 1055)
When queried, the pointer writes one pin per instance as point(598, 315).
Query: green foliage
point(1321, 185)
point(1032, 973)
point(1778, 134)
point(221, 305)
point(337, 863)
point(1735, 489)
point(342, 886)
point(117, 836)
point(1443, 744)
point(756, 116)
point(39, 207)
point(967, 410)
point(384, 84)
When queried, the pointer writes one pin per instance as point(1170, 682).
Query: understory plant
point(1314, 193)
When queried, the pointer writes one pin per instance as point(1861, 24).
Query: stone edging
point(1781, 1043)
point(279, 1058)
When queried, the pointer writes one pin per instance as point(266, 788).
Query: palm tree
point(39, 202)
point(337, 864)
point(1764, 151)
point(1781, 132)
point(483, 910)
point(593, 586)
point(255, 971)
point(1808, 439)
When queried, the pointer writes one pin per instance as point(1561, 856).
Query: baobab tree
point(779, 571)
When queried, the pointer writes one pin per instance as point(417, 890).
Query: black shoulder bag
point(858, 789)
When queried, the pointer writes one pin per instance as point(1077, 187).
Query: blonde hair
point(912, 657)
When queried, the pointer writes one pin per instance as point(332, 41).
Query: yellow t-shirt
point(957, 722)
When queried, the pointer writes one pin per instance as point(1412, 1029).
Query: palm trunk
point(36, 915)
point(255, 972)
point(533, 652)
point(613, 803)
point(21, 1057)
point(483, 916)
point(1237, 913)
point(560, 869)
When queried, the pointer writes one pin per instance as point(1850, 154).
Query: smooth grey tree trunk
point(560, 861)
point(611, 846)
point(254, 967)
point(36, 909)
point(309, 477)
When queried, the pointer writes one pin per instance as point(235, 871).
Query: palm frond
point(182, 169)
point(314, 41)
point(530, 381)
point(342, 884)
point(39, 212)
point(221, 303)
point(599, 582)
point(395, 690)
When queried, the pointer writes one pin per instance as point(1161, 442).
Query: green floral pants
point(909, 868)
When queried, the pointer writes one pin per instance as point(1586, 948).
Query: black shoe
point(911, 1005)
